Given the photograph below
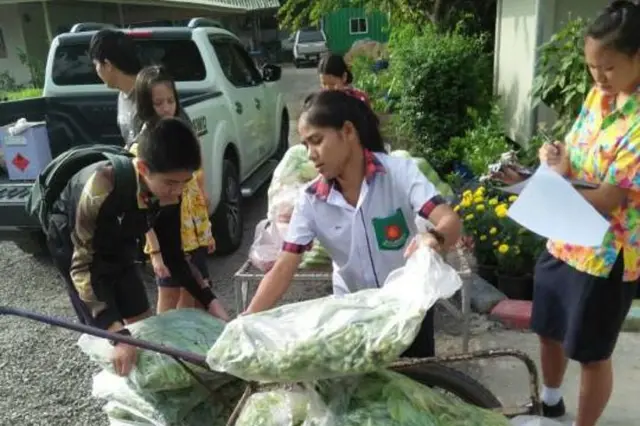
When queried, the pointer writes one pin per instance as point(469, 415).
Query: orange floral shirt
point(604, 147)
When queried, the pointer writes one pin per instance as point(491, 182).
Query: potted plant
point(516, 250)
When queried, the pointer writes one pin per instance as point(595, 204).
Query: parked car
point(309, 46)
point(237, 110)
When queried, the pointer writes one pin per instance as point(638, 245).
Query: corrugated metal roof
point(248, 5)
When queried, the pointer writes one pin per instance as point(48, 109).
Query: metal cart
point(431, 372)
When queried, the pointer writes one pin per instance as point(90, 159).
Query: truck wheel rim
point(232, 204)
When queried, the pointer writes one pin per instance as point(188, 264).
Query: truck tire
point(33, 243)
point(227, 220)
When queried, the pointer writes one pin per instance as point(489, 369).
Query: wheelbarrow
point(432, 372)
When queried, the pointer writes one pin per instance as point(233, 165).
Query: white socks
point(551, 396)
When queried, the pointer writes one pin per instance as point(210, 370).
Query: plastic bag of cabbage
point(191, 330)
point(380, 398)
point(157, 408)
point(194, 406)
point(333, 336)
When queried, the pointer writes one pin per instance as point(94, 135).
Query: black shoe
point(554, 411)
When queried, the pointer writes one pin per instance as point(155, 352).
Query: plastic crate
point(27, 153)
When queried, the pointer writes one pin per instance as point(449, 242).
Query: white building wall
point(10, 25)
point(515, 55)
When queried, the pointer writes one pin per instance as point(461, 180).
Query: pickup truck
point(238, 112)
point(308, 46)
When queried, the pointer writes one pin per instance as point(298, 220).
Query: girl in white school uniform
point(362, 207)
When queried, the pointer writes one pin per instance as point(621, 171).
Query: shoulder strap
point(125, 181)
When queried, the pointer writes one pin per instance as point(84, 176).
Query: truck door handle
point(238, 107)
point(257, 103)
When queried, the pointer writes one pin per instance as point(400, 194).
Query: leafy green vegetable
point(191, 330)
point(380, 398)
point(326, 337)
point(276, 408)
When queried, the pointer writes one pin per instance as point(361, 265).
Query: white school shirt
point(365, 242)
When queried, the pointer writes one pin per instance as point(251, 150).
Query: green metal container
point(348, 25)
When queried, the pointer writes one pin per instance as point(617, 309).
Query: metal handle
point(257, 103)
point(97, 332)
point(238, 107)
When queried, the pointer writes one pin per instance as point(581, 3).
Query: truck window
point(72, 66)
point(236, 64)
point(310, 37)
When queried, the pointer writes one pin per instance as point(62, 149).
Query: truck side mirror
point(271, 72)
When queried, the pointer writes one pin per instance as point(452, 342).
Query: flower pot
point(516, 287)
point(487, 273)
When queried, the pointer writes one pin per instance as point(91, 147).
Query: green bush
point(442, 76)
point(20, 94)
point(484, 143)
point(563, 81)
point(376, 85)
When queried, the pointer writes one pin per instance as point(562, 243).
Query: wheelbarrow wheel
point(454, 382)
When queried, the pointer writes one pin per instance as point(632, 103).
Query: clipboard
point(517, 188)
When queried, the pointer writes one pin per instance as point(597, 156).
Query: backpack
point(54, 178)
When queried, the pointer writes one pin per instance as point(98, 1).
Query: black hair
point(169, 145)
point(617, 27)
point(117, 48)
point(335, 65)
point(332, 108)
point(146, 79)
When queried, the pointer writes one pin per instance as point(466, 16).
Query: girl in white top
point(362, 208)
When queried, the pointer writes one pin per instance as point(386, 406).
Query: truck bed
point(71, 121)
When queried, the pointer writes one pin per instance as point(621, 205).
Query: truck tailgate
point(12, 198)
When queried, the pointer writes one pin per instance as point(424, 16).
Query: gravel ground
point(46, 380)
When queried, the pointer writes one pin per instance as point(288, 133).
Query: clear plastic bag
point(392, 399)
point(266, 245)
point(157, 408)
point(533, 421)
point(282, 407)
point(381, 398)
point(192, 330)
point(334, 336)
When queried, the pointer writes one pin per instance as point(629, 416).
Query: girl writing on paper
point(583, 294)
point(362, 207)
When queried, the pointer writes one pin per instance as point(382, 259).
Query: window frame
point(236, 50)
point(359, 20)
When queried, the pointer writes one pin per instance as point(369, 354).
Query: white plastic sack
point(158, 408)
point(334, 336)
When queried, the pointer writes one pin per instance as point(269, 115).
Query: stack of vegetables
point(380, 398)
point(159, 391)
point(333, 336)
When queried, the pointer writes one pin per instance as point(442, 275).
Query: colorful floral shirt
point(604, 147)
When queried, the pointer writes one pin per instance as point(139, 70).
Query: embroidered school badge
point(392, 231)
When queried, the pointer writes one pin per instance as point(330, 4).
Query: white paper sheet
point(550, 206)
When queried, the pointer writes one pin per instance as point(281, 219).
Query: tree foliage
point(296, 14)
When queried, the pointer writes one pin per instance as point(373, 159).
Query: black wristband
point(437, 235)
point(122, 331)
